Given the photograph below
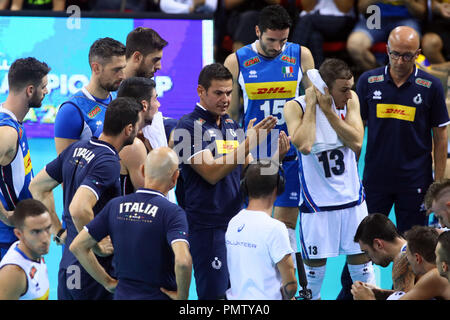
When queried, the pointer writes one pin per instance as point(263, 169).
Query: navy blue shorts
point(408, 206)
point(209, 259)
point(74, 283)
point(291, 194)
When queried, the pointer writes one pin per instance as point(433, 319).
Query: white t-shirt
point(255, 244)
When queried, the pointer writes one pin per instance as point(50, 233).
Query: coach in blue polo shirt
point(212, 151)
point(405, 112)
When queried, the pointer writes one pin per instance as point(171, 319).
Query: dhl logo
point(271, 90)
point(225, 146)
point(396, 111)
point(27, 163)
point(251, 61)
point(288, 59)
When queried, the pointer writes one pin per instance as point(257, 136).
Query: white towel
point(156, 135)
point(155, 132)
point(326, 137)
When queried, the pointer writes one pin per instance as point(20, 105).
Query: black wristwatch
point(58, 235)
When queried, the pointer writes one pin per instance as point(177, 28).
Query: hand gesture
point(260, 130)
point(283, 145)
point(362, 291)
point(104, 248)
point(325, 100)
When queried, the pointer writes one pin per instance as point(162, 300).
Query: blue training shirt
point(93, 164)
point(399, 128)
point(143, 226)
point(207, 205)
point(80, 116)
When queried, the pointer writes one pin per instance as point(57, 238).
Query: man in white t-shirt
point(259, 253)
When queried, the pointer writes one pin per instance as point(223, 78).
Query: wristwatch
point(58, 235)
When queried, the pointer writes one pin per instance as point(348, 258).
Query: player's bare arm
point(82, 247)
point(439, 151)
point(231, 63)
point(302, 126)
point(431, 285)
point(132, 159)
point(13, 282)
point(41, 188)
point(307, 62)
point(62, 143)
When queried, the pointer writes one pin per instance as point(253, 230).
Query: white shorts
point(330, 233)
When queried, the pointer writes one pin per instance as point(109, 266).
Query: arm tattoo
point(402, 274)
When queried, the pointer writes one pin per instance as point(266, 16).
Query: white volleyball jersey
point(329, 179)
point(37, 277)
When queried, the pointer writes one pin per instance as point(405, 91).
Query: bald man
point(149, 235)
point(405, 113)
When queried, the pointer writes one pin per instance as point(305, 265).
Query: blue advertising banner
point(65, 47)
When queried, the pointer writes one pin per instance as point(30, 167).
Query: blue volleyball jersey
point(93, 164)
point(85, 107)
point(267, 84)
point(393, 9)
point(143, 226)
point(399, 128)
point(208, 205)
point(15, 177)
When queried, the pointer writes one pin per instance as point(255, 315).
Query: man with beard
point(79, 117)
point(143, 53)
point(269, 73)
point(132, 157)
point(27, 80)
point(380, 240)
point(90, 171)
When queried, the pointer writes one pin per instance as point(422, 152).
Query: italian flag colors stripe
point(288, 69)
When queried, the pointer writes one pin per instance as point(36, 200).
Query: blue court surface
point(43, 151)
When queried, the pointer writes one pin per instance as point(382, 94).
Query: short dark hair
point(376, 226)
point(260, 185)
point(422, 240)
point(435, 190)
point(103, 49)
point(139, 88)
point(26, 71)
point(444, 240)
point(144, 40)
point(274, 17)
point(214, 71)
point(120, 113)
point(332, 69)
point(27, 208)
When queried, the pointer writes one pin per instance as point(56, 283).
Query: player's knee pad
point(315, 276)
point(293, 242)
point(362, 272)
